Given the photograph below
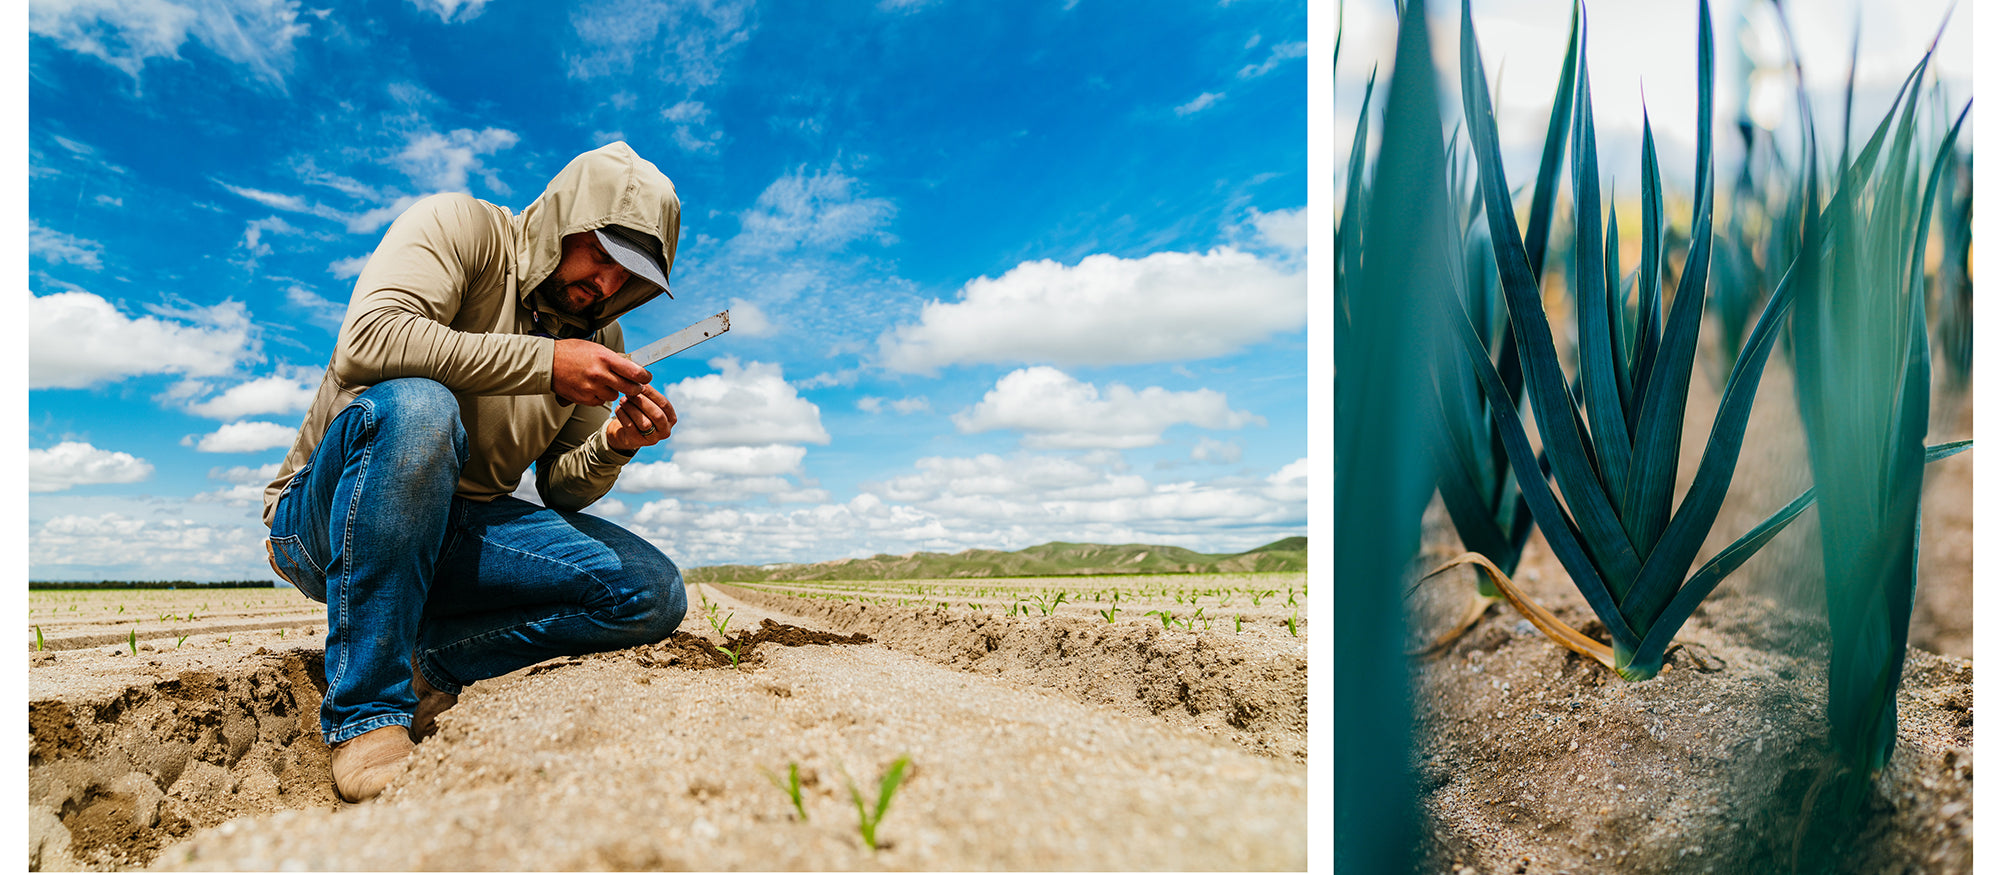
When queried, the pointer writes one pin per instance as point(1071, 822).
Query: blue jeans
point(466, 590)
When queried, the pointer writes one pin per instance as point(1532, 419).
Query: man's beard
point(553, 292)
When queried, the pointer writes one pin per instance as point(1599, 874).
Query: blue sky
point(1000, 275)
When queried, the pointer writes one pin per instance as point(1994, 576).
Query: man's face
point(586, 275)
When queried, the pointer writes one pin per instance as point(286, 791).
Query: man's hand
point(590, 373)
point(643, 419)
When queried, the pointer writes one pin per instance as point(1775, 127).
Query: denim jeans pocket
point(295, 564)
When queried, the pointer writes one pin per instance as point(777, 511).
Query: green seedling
point(1198, 616)
point(790, 786)
point(1166, 618)
point(721, 627)
point(1049, 607)
point(1290, 599)
point(177, 641)
point(1239, 624)
point(39, 644)
point(1292, 624)
point(132, 641)
point(887, 791)
point(1110, 614)
point(735, 656)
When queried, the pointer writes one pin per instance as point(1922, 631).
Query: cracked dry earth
point(1049, 743)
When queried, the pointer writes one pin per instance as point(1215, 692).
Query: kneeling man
point(479, 342)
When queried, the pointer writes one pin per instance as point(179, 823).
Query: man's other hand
point(643, 419)
point(590, 373)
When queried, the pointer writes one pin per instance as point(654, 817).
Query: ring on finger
point(648, 431)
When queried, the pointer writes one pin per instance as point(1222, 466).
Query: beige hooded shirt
point(448, 295)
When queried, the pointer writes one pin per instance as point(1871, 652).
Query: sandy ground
point(1033, 743)
point(1532, 760)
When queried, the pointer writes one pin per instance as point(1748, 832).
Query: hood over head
point(607, 186)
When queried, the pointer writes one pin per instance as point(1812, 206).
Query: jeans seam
point(347, 537)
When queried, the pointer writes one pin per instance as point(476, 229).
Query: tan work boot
point(365, 764)
point(430, 703)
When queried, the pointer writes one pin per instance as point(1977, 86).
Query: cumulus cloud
point(749, 320)
point(1219, 452)
point(685, 45)
point(76, 339)
point(73, 463)
point(1058, 411)
point(689, 117)
point(1280, 53)
point(1284, 229)
point(449, 11)
point(347, 268)
point(245, 437)
point(745, 405)
point(162, 548)
point(278, 393)
point(610, 507)
point(244, 475)
point(55, 247)
point(1168, 306)
point(318, 309)
point(767, 460)
point(1006, 502)
point(823, 210)
point(257, 34)
point(914, 404)
point(1205, 100)
point(443, 162)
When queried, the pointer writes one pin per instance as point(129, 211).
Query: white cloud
point(442, 162)
point(685, 45)
point(764, 461)
point(1289, 483)
point(151, 548)
point(277, 393)
point(914, 404)
point(347, 268)
point(76, 339)
point(1220, 452)
point(288, 202)
point(245, 437)
point(253, 235)
point(749, 319)
point(1280, 53)
point(240, 495)
point(821, 211)
point(244, 475)
point(1204, 101)
point(372, 220)
point(257, 34)
point(745, 405)
point(449, 10)
point(318, 309)
point(72, 463)
point(56, 247)
point(1057, 411)
point(990, 501)
point(1285, 229)
point(611, 507)
point(1168, 306)
point(687, 117)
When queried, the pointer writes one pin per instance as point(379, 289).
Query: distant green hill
point(1055, 558)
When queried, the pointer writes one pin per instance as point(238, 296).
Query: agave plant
point(1613, 447)
point(1381, 482)
point(1475, 479)
point(1864, 395)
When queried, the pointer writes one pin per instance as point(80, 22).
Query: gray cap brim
point(636, 259)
